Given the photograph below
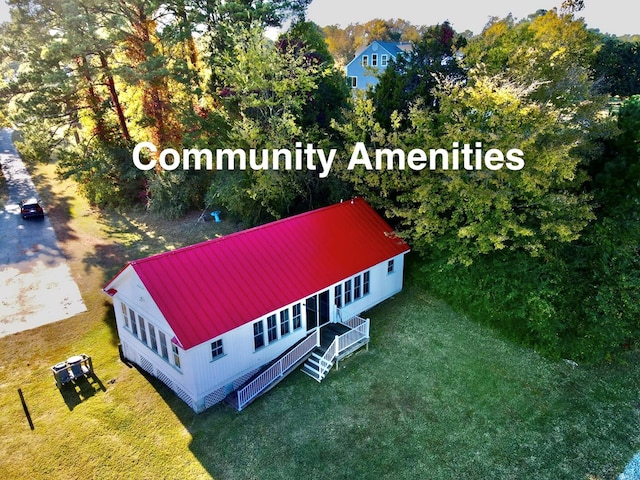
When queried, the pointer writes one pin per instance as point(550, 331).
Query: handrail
point(326, 361)
point(250, 391)
point(359, 329)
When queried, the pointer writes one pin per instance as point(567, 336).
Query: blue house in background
point(371, 60)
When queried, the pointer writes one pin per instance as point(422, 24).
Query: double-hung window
point(134, 324)
point(284, 322)
point(125, 315)
point(258, 335)
point(216, 349)
point(297, 316)
point(143, 330)
point(338, 295)
point(357, 287)
point(176, 355)
point(366, 281)
point(272, 328)
point(163, 346)
point(152, 338)
point(347, 292)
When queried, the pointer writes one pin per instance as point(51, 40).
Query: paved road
point(36, 286)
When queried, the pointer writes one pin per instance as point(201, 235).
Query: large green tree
point(414, 75)
point(275, 95)
point(616, 67)
point(465, 213)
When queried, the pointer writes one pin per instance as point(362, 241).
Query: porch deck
point(320, 351)
point(338, 340)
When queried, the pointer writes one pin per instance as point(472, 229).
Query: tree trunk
point(114, 97)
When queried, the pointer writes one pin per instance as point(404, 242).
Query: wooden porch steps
point(312, 366)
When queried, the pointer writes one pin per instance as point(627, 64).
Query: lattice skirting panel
point(215, 397)
point(146, 365)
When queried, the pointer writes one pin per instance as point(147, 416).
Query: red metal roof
point(208, 289)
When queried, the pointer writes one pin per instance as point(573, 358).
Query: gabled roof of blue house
point(391, 47)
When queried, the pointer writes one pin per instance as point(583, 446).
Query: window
point(163, 346)
point(365, 284)
point(143, 330)
point(353, 82)
point(357, 287)
point(284, 322)
point(216, 349)
point(297, 316)
point(272, 328)
point(338, 294)
point(152, 337)
point(134, 325)
point(383, 60)
point(125, 315)
point(258, 335)
point(374, 60)
point(176, 354)
point(347, 292)
point(390, 266)
point(365, 60)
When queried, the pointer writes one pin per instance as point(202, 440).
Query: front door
point(317, 309)
point(324, 307)
point(311, 306)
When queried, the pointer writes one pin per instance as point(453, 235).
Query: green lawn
point(436, 396)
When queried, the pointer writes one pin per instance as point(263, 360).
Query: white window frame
point(366, 283)
point(164, 352)
point(391, 267)
point(134, 323)
point(285, 324)
point(176, 354)
point(296, 316)
point(153, 340)
point(272, 328)
point(125, 314)
point(337, 293)
point(217, 349)
point(259, 331)
point(348, 292)
point(143, 330)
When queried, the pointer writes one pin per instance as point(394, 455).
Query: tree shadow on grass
point(108, 257)
point(57, 208)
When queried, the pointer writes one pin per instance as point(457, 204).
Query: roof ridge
point(265, 226)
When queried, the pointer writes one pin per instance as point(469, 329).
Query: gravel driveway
point(36, 286)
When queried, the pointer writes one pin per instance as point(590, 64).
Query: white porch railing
point(279, 369)
point(358, 323)
point(359, 331)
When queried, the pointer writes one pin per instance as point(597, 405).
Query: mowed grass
point(435, 396)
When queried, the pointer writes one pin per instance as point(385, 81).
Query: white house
point(230, 317)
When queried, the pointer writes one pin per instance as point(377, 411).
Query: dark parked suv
point(30, 208)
